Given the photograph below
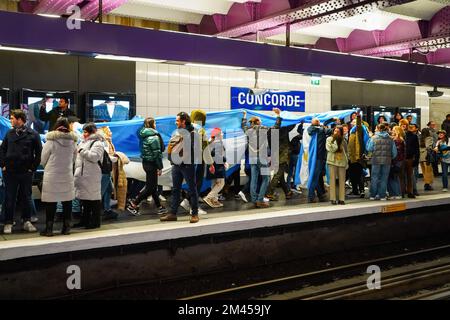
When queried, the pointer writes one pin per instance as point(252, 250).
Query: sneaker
point(194, 219)
point(185, 205)
point(201, 212)
point(34, 219)
point(362, 195)
point(411, 196)
point(262, 204)
point(7, 229)
point(372, 198)
point(444, 190)
point(27, 226)
point(383, 199)
point(243, 197)
point(397, 198)
point(217, 204)
point(150, 200)
point(296, 191)
point(113, 202)
point(162, 198)
point(209, 202)
point(134, 210)
point(161, 210)
point(266, 199)
point(221, 198)
point(168, 217)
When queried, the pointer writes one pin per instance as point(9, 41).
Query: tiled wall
point(435, 108)
point(166, 89)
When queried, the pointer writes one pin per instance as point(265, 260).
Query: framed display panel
point(108, 107)
point(5, 98)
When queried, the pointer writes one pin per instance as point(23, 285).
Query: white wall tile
point(153, 112)
point(194, 95)
point(152, 94)
point(163, 111)
point(224, 98)
point(163, 73)
point(141, 94)
point(174, 73)
point(174, 95)
point(184, 74)
point(204, 97)
point(141, 71)
point(163, 94)
point(152, 72)
point(194, 75)
point(224, 77)
point(141, 111)
point(214, 77)
point(214, 97)
point(184, 96)
point(204, 75)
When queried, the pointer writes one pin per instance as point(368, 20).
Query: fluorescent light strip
point(48, 15)
point(391, 82)
point(213, 66)
point(30, 50)
point(126, 58)
point(342, 78)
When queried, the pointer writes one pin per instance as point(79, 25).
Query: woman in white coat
point(58, 155)
point(88, 176)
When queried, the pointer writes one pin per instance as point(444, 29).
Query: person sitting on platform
point(58, 155)
point(337, 161)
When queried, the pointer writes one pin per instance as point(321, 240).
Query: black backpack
point(105, 165)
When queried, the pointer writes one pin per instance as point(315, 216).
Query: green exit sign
point(315, 81)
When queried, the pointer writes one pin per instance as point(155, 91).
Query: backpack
point(106, 164)
point(175, 146)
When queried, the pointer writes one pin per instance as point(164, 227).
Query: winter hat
point(216, 132)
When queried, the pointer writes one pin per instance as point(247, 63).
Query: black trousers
point(90, 214)
point(50, 211)
point(18, 184)
point(355, 171)
point(235, 178)
point(151, 183)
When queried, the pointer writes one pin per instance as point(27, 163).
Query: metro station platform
point(235, 217)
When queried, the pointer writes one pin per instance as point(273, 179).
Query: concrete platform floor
point(231, 208)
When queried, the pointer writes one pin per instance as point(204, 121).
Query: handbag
point(431, 156)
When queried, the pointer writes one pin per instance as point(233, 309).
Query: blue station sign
point(267, 99)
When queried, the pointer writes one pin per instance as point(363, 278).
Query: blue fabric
point(101, 113)
point(5, 125)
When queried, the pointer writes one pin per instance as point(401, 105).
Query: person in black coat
point(446, 125)
point(412, 158)
point(20, 156)
point(62, 110)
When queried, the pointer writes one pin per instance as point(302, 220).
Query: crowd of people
point(87, 168)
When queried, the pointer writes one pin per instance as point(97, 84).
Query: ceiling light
point(48, 15)
point(342, 78)
point(213, 66)
point(126, 58)
point(391, 82)
point(30, 50)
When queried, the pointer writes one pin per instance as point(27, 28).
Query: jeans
point(378, 184)
point(256, 173)
point(106, 190)
point(394, 186)
point(151, 184)
point(317, 184)
point(291, 171)
point(186, 172)
point(18, 184)
point(445, 174)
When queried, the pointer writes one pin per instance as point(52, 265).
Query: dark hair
point(429, 123)
point(448, 115)
point(90, 128)
point(381, 116)
point(382, 127)
point(397, 113)
point(149, 122)
point(62, 124)
point(19, 114)
point(425, 133)
point(65, 99)
point(409, 115)
point(184, 117)
point(341, 136)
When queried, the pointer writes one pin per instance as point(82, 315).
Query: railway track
point(350, 281)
